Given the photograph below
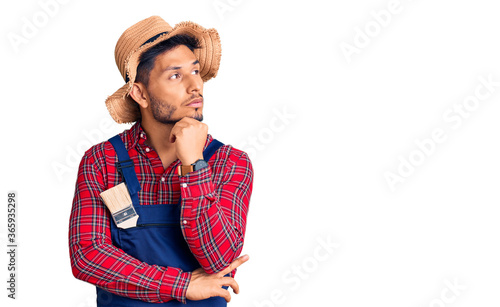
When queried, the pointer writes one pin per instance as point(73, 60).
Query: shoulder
point(230, 153)
point(231, 160)
point(102, 153)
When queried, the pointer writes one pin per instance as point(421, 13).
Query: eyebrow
point(178, 67)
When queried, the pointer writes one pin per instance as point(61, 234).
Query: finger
point(172, 134)
point(236, 263)
point(176, 130)
point(223, 293)
point(188, 120)
point(229, 281)
point(182, 123)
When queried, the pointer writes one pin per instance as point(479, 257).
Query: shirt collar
point(137, 136)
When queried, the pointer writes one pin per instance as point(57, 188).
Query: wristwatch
point(182, 170)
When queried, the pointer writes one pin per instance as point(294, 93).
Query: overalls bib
point(157, 239)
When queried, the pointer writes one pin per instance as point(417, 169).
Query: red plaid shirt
point(214, 202)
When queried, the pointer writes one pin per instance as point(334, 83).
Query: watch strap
point(182, 170)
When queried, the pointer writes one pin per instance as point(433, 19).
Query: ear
point(139, 94)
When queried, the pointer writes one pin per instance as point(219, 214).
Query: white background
point(320, 174)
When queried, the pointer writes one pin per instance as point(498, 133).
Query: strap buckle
point(120, 165)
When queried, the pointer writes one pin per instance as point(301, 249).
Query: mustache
point(193, 97)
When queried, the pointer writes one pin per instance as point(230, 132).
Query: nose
point(195, 84)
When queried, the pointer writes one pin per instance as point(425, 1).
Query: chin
point(198, 117)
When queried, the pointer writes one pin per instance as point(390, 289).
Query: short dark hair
point(147, 59)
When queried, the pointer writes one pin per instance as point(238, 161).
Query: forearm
point(212, 238)
point(214, 219)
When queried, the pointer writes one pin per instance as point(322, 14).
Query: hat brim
point(123, 109)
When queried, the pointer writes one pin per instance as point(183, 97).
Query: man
point(190, 191)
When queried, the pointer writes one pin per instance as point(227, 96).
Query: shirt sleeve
point(96, 260)
point(213, 218)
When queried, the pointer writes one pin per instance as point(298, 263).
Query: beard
point(162, 111)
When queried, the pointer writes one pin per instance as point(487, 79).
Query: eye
point(196, 71)
point(175, 76)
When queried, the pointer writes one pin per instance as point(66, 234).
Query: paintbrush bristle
point(116, 198)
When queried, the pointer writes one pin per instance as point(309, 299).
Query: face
point(174, 83)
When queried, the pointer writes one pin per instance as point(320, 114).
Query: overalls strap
point(125, 166)
point(211, 149)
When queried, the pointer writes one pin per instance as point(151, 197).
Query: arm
point(216, 219)
point(96, 260)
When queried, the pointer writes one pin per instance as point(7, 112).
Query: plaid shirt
point(215, 203)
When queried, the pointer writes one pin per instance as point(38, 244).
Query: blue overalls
point(157, 239)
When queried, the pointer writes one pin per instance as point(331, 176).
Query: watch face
point(200, 164)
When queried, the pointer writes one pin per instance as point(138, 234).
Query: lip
point(196, 103)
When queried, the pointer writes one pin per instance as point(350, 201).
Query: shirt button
point(163, 179)
point(184, 185)
point(147, 149)
point(142, 135)
point(184, 222)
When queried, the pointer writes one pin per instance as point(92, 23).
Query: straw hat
point(141, 37)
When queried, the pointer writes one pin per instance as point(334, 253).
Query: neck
point(158, 135)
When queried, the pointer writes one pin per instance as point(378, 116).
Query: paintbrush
point(119, 203)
